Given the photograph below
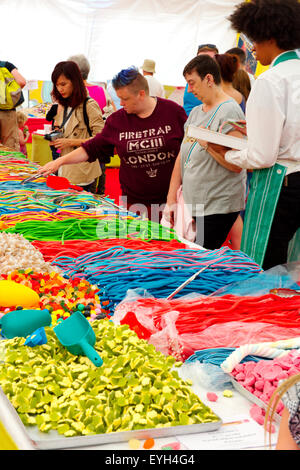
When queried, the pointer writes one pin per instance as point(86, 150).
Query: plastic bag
point(283, 276)
point(181, 327)
point(208, 376)
point(134, 314)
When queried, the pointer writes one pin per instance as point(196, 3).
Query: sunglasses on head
point(210, 46)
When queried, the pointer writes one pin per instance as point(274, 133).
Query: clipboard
point(217, 138)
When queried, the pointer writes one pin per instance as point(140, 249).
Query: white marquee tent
point(113, 34)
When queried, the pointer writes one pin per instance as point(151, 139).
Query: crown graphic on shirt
point(152, 173)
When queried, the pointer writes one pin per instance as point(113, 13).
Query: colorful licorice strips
point(16, 185)
point(24, 200)
point(217, 356)
point(76, 248)
point(195, 315)
point(159, 283)
point(119, 259)
point(7, 221)
point(182, 262)
point(177, 326)
point(118, 269)
point(8, 155)
point(92, 229)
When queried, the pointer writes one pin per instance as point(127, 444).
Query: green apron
point(265, 187)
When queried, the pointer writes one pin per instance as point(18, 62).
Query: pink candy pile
point(262, 378)
point(258, 414)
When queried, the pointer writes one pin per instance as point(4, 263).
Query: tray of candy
point(252, 398)
point(52, 440)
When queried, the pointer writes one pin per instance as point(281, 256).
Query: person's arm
point(265, 121)
point(109, 100)
point(218, 152)
point(21, 137)
point(18, 77)
point(175, 183)
point(76, 156)
point(285, 439)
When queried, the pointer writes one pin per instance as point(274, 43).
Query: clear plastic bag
point(209, 376)
point(283, 276)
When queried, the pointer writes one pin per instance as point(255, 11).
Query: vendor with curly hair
point(272, 113)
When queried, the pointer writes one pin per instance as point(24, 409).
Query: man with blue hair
point(146, 133)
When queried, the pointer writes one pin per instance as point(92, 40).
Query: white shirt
point(251, 78)
point(155, 88)
point(273, 120)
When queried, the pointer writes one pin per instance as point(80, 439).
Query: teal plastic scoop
point(23, 322)
point(76, 334)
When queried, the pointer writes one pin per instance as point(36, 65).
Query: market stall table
point(228, 409)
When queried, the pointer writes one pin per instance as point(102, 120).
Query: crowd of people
point(158, 160)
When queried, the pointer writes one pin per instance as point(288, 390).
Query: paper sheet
point(242, 433)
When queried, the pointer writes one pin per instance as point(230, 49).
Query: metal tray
point(243, 391)
point(53, 440)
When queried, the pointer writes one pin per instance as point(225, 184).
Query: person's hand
point(170, 211)
point(203, 143)
point(220, 149)
point(49, 168)
point(62, 143)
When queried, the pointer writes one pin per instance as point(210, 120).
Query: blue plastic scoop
point(76, 334)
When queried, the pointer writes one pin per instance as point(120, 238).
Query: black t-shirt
point(147, 148)
point(8, 65)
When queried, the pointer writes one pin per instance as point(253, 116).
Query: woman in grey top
point(213, 191)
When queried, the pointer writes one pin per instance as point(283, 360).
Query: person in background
point(100, 95)
point(70, 93)
point(22, 118)
point(229, 65)
point(50, 117)
point(189, 99)
point(288, 391)
point(241, 82)
point(110, 105)
point(146, 132)
point(240, 53)
point(95, 91)
point(214, 191)
point(272, 115)
point(9, 132)
point(155, 87)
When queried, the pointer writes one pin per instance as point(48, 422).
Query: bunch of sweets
point(61, 296)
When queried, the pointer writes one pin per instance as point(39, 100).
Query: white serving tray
point(217, 138)
point(52, 440)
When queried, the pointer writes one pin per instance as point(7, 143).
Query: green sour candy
point(136, 388)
